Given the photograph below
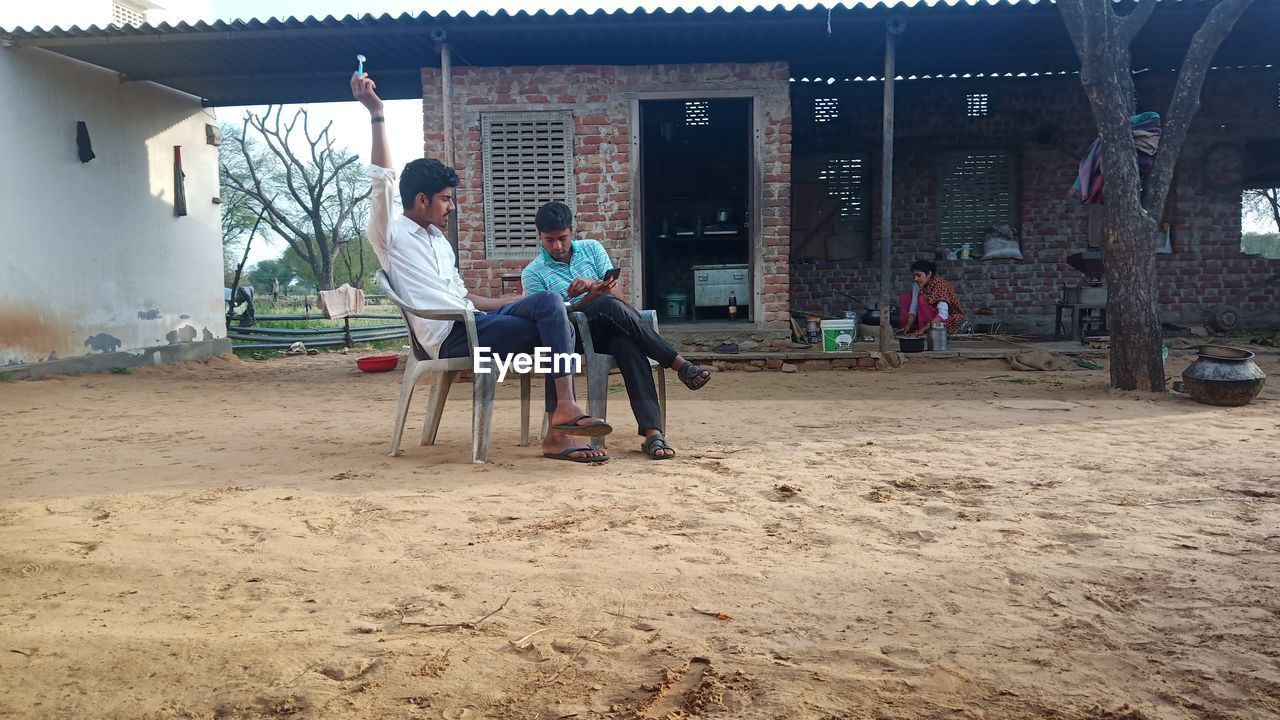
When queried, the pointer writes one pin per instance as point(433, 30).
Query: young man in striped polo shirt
point(575, 269)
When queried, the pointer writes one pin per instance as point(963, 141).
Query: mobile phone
point(612, 273)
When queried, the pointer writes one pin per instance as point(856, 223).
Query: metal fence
point(268, 338)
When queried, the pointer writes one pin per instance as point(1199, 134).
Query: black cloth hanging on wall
point(179, 190)
point(82, 142)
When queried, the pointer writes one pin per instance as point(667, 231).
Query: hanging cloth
point(83, 145)
point(1145, 129)
point(179, 188)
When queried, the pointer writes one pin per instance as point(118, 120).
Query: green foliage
point(1265, 244)
point(261, 275)
point(7, 377)
point(121, 371)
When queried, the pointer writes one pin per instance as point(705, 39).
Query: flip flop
point(566, 455)
point(591, 429)
point(652, 445)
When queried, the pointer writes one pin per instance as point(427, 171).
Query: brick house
point(1034, 131)
point(740, 150)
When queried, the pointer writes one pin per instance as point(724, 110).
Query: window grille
point(826, 109)
point(977, 105)
point(975, 191)
point(697, 113)
point(846, 179)
point(528, 162)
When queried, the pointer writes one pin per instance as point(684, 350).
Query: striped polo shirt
point(544, 273)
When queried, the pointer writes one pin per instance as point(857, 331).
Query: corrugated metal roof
point(309, 60)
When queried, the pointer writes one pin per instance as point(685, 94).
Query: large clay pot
point(1223, 375)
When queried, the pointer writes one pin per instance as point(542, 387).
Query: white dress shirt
point(418, 260)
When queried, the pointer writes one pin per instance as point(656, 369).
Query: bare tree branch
point(1131, 24)
point(308, 196)
point(1186, 99)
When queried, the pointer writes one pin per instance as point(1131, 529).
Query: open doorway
point(695, 176)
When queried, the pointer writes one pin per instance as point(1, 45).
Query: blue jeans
point(536, 321)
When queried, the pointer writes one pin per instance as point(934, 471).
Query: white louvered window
point(975, 191)
point(124, 14)
point(528, 162)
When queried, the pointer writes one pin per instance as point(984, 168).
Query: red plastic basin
point(378, 363)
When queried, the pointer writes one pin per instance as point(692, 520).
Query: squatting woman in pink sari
point(930, 298)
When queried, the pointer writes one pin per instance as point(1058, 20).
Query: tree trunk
point(1129, 250)
point(324, 278)
point(1132, 316)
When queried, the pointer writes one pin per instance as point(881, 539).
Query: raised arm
point(381, 207)
point(364, 89)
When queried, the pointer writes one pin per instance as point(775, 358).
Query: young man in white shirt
point(420, 264)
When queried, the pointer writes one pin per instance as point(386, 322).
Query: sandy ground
point(230, 540)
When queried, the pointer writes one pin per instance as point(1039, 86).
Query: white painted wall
point(85, 13)
point(94, 249)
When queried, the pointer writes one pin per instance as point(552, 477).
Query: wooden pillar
point(893, 28)
point(446, 102)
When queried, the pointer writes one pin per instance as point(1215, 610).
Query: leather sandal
point(692, 375)
point(653, 445)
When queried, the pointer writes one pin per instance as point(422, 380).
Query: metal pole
point(446, 102)
point(893, 28)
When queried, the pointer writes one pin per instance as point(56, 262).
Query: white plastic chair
point(599, 365)
point(445, 371)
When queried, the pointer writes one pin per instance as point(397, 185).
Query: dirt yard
point(945, 540)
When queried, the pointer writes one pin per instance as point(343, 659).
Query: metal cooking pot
point(721, 216)
point(872, 316)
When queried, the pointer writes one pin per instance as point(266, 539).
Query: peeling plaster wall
point(94, 258)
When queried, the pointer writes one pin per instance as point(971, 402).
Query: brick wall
point(600, 99)
point(1047, 121)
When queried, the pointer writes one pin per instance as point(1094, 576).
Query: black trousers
point(618, 329)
